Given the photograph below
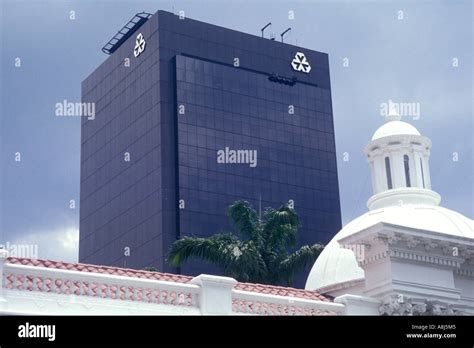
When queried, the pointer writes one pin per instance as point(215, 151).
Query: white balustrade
point(204, 294)
point(108, 286)
point(246, 302)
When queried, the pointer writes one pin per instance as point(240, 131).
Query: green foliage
point(260, 255)
point(150, 269)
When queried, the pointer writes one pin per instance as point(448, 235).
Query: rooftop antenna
point(281, 35)
point(265, 27)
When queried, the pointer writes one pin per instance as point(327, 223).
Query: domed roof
point(337, 265)
point(395, 128)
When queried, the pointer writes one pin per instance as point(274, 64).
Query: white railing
point(106, 286)
point(245, 302)
point(204, 294)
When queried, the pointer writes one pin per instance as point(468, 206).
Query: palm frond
point(212, 249)
point(262, 256)
point(280, 227)
point(245, 218)
point(298, 260)
point(247, 264)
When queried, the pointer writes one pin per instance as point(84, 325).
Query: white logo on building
point(139, 45)
point(300, 63)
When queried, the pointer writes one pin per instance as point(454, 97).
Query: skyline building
point(191, 117)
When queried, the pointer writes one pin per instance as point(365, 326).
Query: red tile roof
point(177, 278)
point(281, 291)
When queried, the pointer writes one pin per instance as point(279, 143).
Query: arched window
point(407, 170)
point(422, 174)
point(389, 173)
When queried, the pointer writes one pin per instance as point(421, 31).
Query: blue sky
point(404, 60)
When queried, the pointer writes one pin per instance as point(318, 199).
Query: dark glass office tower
point(191, 117)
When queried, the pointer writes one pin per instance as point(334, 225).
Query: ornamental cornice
point(373, 258)
point(418, 143)
point(439, 260)
point(399, 304)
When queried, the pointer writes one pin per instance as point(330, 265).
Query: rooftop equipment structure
point(123, 34)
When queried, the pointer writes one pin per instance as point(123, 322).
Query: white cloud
point(56, 244)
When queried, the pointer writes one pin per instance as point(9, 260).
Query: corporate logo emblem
point(139, 45)
point(300, 63)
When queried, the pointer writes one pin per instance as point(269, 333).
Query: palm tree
point(261, 256)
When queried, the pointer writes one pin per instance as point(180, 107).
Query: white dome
point(395, 128)
point(337, 265)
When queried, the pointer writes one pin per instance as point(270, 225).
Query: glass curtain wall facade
point(156, 162)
